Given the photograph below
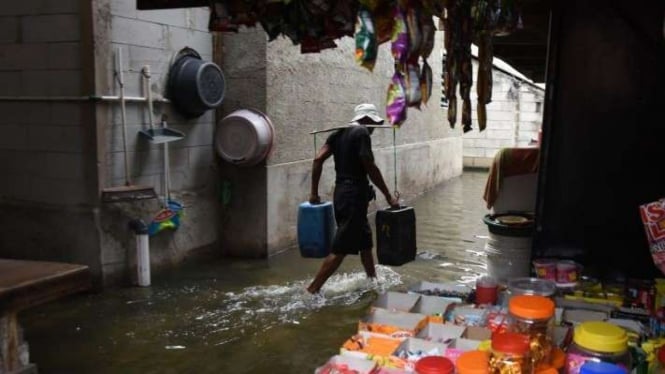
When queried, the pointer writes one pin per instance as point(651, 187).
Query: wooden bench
point(24, 284)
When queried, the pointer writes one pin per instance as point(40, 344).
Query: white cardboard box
point(398, 301)
point(360, 365)
point(393, 324)
point(432, 305)
point(451, 291)
point(441, 333)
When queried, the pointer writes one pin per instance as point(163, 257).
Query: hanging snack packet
point(366, 47)
point(384, 22)
point(396, 100)
point(427, 27)
point(400, 37)
point(221, 20)
point(425, 82)
point(413, 94)
point(413, 28)
point(653, 217)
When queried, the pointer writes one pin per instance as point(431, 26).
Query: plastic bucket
point(545, 269)
point(567, 272)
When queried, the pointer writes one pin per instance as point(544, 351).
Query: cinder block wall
point(57, 155)
point(47, 149)
point(512, 121)
point(153, 38)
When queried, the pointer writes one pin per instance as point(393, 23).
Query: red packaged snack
point(653, 217)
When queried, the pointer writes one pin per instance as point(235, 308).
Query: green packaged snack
point(366, 46)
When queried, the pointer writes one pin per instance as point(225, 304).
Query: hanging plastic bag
point(413, 94)
point(413, 29)
point(427, 27)
point(384, 22)
point(366, 47)
point(653, 218)
point(400, 37)
point(396, 100)
point(221, 20)
point(425, 82)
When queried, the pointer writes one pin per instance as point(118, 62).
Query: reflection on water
point(233, 316)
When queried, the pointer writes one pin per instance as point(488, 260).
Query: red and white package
point(653, 217)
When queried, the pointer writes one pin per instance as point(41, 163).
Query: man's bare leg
point(368, 262)
point(329, 266)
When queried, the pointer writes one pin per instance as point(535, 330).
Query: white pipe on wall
point(135, 99)
point(143, 259)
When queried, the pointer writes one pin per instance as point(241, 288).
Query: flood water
point(236, 316)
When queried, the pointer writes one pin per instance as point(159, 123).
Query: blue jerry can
point(316, 228)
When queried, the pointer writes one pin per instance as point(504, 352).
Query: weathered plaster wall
point(319, 91)
point(513, 120)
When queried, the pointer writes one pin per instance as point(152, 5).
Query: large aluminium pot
point(244, 137)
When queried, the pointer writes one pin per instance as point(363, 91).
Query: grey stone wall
point(318, 91)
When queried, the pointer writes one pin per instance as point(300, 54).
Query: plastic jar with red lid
point(510, 354)
point(434, 365)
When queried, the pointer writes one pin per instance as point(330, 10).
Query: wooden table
point(24, 284)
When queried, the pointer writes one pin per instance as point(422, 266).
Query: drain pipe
point(142, 251)
point(93, 98)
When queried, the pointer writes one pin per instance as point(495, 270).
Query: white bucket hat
point(367, 110)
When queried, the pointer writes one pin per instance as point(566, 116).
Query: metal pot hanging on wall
point(195, 86)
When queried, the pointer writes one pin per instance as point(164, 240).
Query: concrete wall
point(47, 149)
point(302, 93)
point(153, 38)
point(513, 120)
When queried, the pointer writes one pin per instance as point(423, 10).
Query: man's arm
point(375, 176)
point(317, 167)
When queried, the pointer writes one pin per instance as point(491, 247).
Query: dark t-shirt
point(349, 147)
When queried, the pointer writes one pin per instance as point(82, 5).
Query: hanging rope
point(395, 160)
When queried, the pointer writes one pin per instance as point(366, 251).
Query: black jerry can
point(396, 236)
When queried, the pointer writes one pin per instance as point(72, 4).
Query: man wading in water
point(354, 162)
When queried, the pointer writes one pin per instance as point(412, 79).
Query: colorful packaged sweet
point(396, 101)
point(413, 29)
point(400, 37)
point(413, 93)
point(425, 82)
point(366, 46)
point(653, 217)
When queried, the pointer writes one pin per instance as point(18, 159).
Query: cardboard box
point(460, 346)
point(373, 347)
point(359, 365)
point(396, 301)
point(467, 316)
point(477, 333)
point(412, 349)
point(393, 324)
point(433, 306)
point(454, 292)
point(440, 333)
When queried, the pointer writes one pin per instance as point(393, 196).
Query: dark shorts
point(353, 232)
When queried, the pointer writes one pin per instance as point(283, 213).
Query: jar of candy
point(473, 362)
point(533, 316)
point(510, 354)
point(598, 341)
point(434, 365)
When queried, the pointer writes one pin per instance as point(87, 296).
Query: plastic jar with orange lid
point(533, 316)
point(510, 354)
point(473, 362)
point(434, 365)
